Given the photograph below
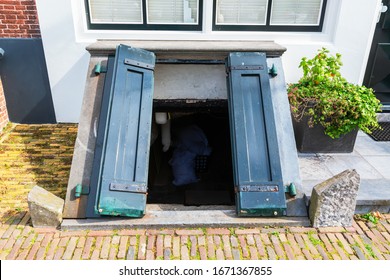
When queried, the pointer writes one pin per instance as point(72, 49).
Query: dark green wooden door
point(257, 170)
point(124, 160)
point(377, 74)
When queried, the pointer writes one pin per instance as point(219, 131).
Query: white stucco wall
point(66, 59)
point(348, 29)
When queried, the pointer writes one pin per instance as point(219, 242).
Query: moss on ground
point(33, 155)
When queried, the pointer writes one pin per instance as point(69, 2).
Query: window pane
point(115, 11)
point(173, 11)
point(296, 12)
point(248, 12)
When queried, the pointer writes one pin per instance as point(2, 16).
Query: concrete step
point(178, 216)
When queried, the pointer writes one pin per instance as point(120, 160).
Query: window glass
point(245, 12)
point(296, 12)
point(172, 11)
point(115, 11)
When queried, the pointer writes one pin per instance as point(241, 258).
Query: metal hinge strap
point(258, 188)
point(134, 188)
point(139, 64)
point(246, 67)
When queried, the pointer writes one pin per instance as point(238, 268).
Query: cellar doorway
point(207, 179)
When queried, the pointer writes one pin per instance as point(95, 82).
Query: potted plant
point(327, 110)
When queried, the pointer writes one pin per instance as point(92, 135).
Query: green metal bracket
point(100, 69)
point(81, 190)
point(291, 189)
point(273, 71)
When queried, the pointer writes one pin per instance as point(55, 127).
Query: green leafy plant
point(372, 217)
point(330, 100)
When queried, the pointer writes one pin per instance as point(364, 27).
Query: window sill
point(190, 49)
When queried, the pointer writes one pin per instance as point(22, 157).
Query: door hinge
point(245, 67)
point(273, 71)
point(99, 68)
point(291, 189)
point(80, 190)
point(134, 188)
point(257, 188)
point(133, 62)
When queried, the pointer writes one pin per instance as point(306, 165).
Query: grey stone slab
point(214, 49)
point(45, 208)
point(81, 168)
point(190, 81)
point(381, 164)
point(384, 117)
point(333, 201)
point(373, 195)
point(366, 146)
point(374, 190)
point(361, 133)
point(182, 218)
point(308, 185)
point(363, 209)
point(337, 164)
point(286, 141)
point(372, 160)
point(314, 168)
point(353, 153)
point(370, 191)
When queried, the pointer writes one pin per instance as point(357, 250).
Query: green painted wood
point(124, 161)
point(257, 168)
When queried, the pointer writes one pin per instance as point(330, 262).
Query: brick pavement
point(41, 155)
point(363, 241)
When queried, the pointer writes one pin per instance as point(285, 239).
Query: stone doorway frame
point(81, 167)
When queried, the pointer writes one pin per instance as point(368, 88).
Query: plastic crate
point(201, 164)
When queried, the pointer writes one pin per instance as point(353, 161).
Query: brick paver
point(194, 246)
point(252, 243)
point(122, 247)
point(42, 155)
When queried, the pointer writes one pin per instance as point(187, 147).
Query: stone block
point(45, 208)
point(333, 202)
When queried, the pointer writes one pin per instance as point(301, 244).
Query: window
point(246, 12)
point(172, 11)
point(228, 15)
point(301, 12)
point(116, 11)
point(269, 15)
point(145, 14)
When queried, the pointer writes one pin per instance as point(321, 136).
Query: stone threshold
point(179, 216)
point(190, 48)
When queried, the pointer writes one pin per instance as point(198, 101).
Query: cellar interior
point(190, 163)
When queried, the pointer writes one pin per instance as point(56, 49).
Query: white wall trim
point(85, 35)
point(348, 29)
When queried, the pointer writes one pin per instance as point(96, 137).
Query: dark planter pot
point(314, 140)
